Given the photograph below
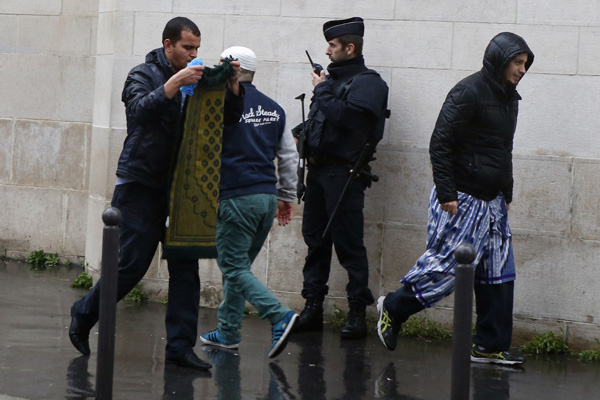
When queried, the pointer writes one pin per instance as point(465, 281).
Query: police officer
point(347, 113)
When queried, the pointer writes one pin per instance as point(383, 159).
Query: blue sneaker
point(214, 338)
point(281, 332)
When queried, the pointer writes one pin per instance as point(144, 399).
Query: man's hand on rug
point(285, 211)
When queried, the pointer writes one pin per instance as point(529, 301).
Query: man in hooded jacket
point(471, 156)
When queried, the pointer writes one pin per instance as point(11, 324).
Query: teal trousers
point(243, 226)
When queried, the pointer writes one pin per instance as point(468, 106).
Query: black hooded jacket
point(471, 145)
point(154, 122)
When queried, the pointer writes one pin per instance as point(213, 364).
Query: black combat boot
point(356, 327)
point(311, 318)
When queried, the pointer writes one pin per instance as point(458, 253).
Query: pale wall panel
point(32, 219)
point(98, 162)
point(62, 159)
point(161, 6)
point(116, 33)
point(405, 186)
point(416, 98)
point(586, 204)
point(55, 35)
point(37, 77)
point(80, 7)
point(255, 31)
point(559, 12)
point(589, 51)
point(558, 116)
point(239, 7)
point(372, 9)
point(489, 11)
point(103, 91)
point(8, 33)
point(542, 195)
point(107, 5)
point(33, 7)
point(105, 151)
point(10, 83)
point(6, 140)
point(410, 44)
point(556, 278)
point(76, 89)
point(75, 210)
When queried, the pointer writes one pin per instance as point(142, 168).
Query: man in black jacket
point(347, 113)
point(471, 156)
point(154, 108)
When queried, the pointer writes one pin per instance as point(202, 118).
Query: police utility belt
point(322, 160)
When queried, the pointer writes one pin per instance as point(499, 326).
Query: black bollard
point(463, 311)
point(108, 304)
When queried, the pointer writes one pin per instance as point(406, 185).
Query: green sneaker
point(482, 355)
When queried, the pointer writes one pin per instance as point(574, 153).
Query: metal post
point(108, 304)
point(463, 310)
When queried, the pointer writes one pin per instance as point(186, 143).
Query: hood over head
point(501, 50)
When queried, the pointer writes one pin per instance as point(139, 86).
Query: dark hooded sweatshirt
point(471, 145)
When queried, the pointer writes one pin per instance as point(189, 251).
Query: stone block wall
point(47, 51)
point(62, 143)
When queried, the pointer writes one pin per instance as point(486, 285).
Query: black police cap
point(340, 27)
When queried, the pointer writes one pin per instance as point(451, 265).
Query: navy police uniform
point(347, 111)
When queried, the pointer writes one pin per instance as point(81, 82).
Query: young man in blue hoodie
point(251, 196)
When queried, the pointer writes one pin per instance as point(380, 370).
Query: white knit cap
point(244, 55)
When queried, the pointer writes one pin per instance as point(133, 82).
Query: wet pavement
point(37, 360)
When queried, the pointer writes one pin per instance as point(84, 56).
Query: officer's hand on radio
point(316, 79)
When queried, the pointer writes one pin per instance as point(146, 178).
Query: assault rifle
point(301, 187)
point(356, 170)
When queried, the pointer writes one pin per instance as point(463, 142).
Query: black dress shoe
point(356, 327)
point(190, 360)
point(311, 317)
point(80, 337)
